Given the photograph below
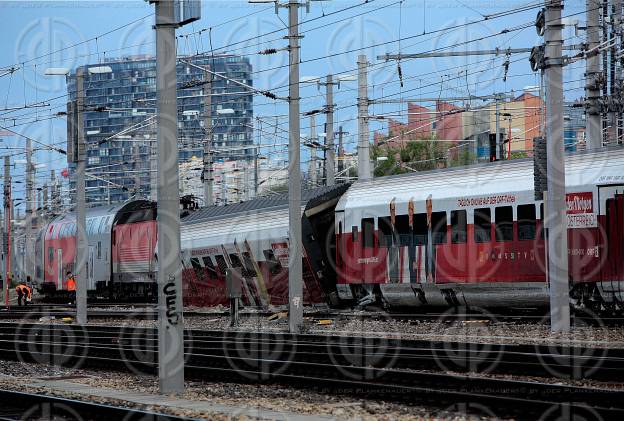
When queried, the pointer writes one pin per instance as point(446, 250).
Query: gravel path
point(263, 397)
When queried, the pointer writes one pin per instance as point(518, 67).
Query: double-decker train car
point(117, 264)
point(253, 236)
point(474, 236)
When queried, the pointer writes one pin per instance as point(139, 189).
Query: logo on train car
point(580, 210)
point(580, 202)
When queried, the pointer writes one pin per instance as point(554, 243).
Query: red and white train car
point(120, 251)
point(474, 236)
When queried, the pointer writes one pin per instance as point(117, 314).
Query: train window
point(482, 225)
point(354, 233)
point(386, 232)
point(195, 263)
point(250, 270)
point(421, 232)
point(459, 226)
point(403, 230)
point(209, 265)
point(526, 222)
point(368, 232)
point(438, 227)
point(236, 262)
point(221, 263)
point(51, 254)
point(504, 223)
point(99, 250)
point(272, 262)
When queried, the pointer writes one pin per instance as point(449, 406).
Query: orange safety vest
point(71, 284)
point(25, 290)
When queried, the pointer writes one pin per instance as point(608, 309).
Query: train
point(466, 236)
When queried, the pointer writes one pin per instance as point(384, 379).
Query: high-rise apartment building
point(119, 119)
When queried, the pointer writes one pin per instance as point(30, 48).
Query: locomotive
point(466, 236)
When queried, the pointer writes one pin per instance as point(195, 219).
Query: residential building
point(119, 119)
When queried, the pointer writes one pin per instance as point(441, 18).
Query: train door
point(612, 241)
point(59, 269)
point(340, 243)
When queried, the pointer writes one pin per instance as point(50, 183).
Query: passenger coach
point(474, 236)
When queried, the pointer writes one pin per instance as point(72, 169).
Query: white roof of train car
point(499, 178)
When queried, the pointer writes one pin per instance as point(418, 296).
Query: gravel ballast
point(259, 397)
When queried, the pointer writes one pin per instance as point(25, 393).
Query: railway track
point(413, 371)
point(20, 406)
point(148, 312)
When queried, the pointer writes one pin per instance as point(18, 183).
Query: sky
point(40, 34)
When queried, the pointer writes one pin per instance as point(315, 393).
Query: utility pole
point(257, 148)
point(295, 267)
point(207, 170)
point(498, 133)
point(53, 193)
point(557, 235)
point(7, 227)
point(44, 204)
point(593, 77)
point(170, 317)
point(616, 70)
point(329, 133)
point(364, 172)
point(81, 220)
point(340, 149)
point(312, 170)
point(28, 249)
point(137, 171)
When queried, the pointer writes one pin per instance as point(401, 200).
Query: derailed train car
point(253, 236)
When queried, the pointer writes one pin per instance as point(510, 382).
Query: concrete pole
point(592, 87)
point(312, 170)
point(137, 171)
point(364, 172)
point(170, 317)
point(555, 220)
point(329, 133)
point(7, 226)
point(340, 150)
point(207, 170)
point(617, 25)
point(28, 269)
point(153, 172)
point(498, 133)
point(53, 192)
point(81, 219)
point(45, 206)
point(295, 267)
point(256, 171)
point(224, 200)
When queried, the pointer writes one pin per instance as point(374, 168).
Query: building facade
point(119, 119)
point(520, 121)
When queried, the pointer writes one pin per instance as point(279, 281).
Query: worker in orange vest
point(71, 286)
point(24, 292)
